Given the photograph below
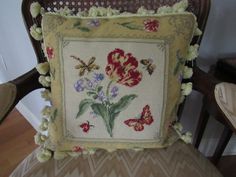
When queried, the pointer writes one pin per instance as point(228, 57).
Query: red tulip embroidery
point(122, 68)
point(86, 126)
point(77, 149)
point(145, 119)
point(151, 25)
point(50, 52)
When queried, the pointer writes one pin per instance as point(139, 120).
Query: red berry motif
point(77, 149)
point(86, 126)
point(50, 52)
point(151, 25)
point(138, 124)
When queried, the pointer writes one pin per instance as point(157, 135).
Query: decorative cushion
point(179, 160)
point(115, 81)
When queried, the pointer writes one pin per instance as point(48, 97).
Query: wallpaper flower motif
point(121, 69)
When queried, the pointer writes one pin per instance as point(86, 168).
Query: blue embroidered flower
point(98, 77)
point(114, 91)
point(101, 96)
point(94, 23)
point(79, 87)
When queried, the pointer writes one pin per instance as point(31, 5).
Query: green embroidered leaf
point(83, 106)
point(52, 73)
point(77, 24)
point(84, 29)
point(99, 88)
point(54, 115)
point(99, 109)
point(95, 96)
point(180, 62)
point(102, 111)
point(121, 105)
point(130, 25)
point(91, 93)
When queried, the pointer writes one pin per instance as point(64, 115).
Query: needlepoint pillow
point(115, 81)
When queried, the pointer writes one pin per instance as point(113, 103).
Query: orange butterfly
point(145, 118)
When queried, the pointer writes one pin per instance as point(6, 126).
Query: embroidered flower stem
point(108, 90)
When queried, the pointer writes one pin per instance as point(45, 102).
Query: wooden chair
point(223, 71)
point(16, 89)
point(178, 160)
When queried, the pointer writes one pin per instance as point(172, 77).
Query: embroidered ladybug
point(86, 126)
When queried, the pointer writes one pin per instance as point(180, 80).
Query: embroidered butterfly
point(138, 123)
point(148, 65)
point(82, 66)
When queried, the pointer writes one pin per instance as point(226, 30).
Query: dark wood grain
point(224, 139)
point(211, 108)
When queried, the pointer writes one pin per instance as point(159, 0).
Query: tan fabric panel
point(179, 160)
point(7, 97)
point(225, 94)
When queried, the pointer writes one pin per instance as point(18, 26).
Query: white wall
point(18, 56)
point(219, 41)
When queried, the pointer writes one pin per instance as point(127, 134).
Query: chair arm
point(13, 91)
point(203, 82)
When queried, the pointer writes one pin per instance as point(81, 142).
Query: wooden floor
point(16, 142)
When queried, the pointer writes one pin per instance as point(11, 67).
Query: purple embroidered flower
point(101, 96)
point(94, 23)
point(90, 85)
point(98, 77)
point(114, 91)
point(79, 87)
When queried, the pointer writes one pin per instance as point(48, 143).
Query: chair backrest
point(199, 7)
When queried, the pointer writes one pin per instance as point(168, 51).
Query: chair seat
point(225, 95)
point(178, 160)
